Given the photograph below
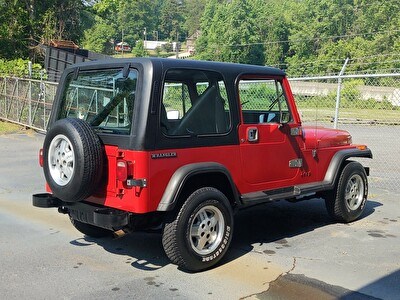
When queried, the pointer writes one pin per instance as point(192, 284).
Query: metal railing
point(368, 106)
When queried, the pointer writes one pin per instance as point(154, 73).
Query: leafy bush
point(139, 50)
point(19, 68)
point(167, 47)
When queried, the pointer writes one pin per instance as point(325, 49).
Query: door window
point(263, 101)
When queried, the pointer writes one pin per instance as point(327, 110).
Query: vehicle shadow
point(256, 226)
point(142, 250)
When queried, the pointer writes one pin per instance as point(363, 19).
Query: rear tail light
point(41, 157)
point(125, 174)
point(122, 170)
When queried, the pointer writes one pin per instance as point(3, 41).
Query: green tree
point(134, 19)
point(138, 50)
point(99, 37)
point(19, 67)
point(193, 11)
point(14, 20)
point(171, 19)
point(317, 22)
point(119, 20)
point(226, 37)
point(273, 21)
point(26, 23)
point(240, 41)
point(209, 44)
point(324, 33)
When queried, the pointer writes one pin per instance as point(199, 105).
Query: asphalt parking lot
point(279, 250)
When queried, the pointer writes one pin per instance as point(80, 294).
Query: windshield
point(103, 98)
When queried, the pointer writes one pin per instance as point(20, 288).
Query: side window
point(176, 100)
point(194, 103)
point(263, 101)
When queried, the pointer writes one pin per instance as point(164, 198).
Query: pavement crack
point(293, 266)
point(284, 273)
point(272, 281)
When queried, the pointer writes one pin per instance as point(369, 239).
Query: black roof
point(224, 67)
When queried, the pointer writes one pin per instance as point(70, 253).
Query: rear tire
point(347, 201)
point(200, 234)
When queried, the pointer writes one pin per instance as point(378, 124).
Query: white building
point(152, 45)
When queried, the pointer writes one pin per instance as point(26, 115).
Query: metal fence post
point(16, 100)
point(339, 89)
point(5, 96)
point(42, 84)
point(30, 103)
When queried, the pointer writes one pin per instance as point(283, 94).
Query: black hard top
point(145, 135)
point(223, 67)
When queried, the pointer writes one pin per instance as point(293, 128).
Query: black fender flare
point(333, 172)
point(181, 176)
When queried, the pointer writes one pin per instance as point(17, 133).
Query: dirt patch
point(247, 271)
point(293, 287)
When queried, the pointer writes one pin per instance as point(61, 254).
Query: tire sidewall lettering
point(224, 244)
point(343, 212)
point(221, 248)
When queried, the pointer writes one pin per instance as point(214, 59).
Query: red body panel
point(157, 172)
point(264, 166)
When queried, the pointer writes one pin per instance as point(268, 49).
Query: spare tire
point(72, 159)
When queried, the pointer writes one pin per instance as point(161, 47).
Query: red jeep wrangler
point(179, 144)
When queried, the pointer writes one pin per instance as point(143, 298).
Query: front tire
point(347, 201)
point(200, 234)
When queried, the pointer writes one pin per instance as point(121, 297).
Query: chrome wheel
point(61, 160)
point(354, 193)
point(207, 230)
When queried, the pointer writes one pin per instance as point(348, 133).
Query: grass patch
point(7, 127)
point(352, 114)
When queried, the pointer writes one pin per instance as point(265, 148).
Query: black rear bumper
point(100, 216)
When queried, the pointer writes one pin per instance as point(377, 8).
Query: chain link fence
point(368, 106)
point(26, 101)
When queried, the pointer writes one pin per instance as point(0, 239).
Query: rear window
point(103, 98)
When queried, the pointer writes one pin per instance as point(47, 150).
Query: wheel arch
point(190, 177)
point(340, 159)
